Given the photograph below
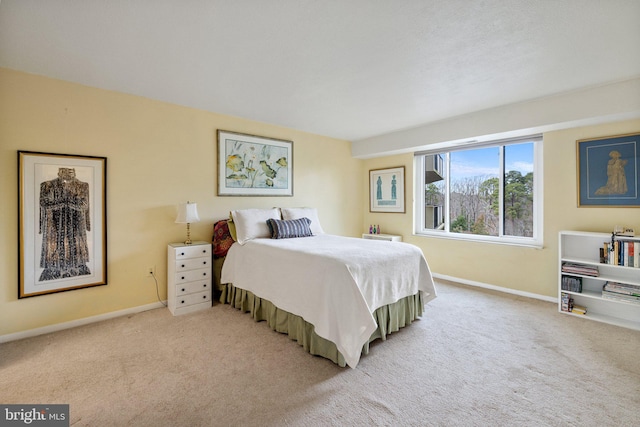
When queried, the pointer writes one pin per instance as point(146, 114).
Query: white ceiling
point(349, 69)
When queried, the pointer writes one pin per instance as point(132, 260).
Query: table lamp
point(187, 213)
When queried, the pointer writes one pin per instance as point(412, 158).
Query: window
point(488, 192)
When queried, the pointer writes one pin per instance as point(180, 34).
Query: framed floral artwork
point(250, 165)
point(62, 222)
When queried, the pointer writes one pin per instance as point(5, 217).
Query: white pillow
point(311, 213)
point(252, 223)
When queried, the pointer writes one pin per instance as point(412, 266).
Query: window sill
point(510, 241)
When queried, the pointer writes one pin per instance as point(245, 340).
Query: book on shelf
point(620, 297)
point(621, 292)
point(621, 252)
point(571, 284)
point(613, 252)
point(566, 302)
point(578, 309)
point(567, 305)
point(622, 288)
point(575, 268)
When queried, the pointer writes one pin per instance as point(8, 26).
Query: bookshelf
point(583, 248)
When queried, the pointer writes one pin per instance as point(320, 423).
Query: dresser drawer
point(192, 264)
point(186, 252)
point(191, 299)
point(197, 286)
point(189, 277)
point(192, 275)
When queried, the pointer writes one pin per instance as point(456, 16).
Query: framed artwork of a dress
point(62, 222)
point(609, 171)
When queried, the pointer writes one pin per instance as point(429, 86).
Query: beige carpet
point(476, 358)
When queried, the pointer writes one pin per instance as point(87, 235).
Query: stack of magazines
point(621, 292)
point(585, 270)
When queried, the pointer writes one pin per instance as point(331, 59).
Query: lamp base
point(188, 241)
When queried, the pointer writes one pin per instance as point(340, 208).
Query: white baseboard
point(79, 322)
point(493, 287)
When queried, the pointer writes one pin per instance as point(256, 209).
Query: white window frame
point(419, 194)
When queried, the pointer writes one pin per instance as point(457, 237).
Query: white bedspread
point(335, 283)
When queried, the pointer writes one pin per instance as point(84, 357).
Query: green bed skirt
point(390, 318)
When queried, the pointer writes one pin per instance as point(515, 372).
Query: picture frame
point(62, 222)
point(250, 165)
point(608, 171)
point(387, 190)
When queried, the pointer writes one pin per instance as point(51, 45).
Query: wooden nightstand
point(389, 237)
point(188, 277)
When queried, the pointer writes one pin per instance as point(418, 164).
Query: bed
point(333, 294)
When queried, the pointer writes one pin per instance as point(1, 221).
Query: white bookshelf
point(583, 248)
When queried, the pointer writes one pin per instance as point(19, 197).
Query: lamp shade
point(187, 213)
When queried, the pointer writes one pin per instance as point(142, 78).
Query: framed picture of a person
point(608, 171)
point(386, 190)
point(62, 222)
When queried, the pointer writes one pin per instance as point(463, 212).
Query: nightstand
point(188, 277)
point(389, 237)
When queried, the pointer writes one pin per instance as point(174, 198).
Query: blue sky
point(484, 162)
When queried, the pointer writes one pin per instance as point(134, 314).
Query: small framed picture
point(250, 165)
point(386, 190)
point(608, 174)
point(62, 222)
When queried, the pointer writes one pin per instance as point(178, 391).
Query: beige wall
point(161, 154)
point(519, 268)
point(158, 155)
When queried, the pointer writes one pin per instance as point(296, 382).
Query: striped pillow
point(286, 229)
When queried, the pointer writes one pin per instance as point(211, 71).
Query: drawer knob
point(204, 296)
point(204, 251)
point(182, 302)
point(182, 253)
point(182, 265)
point(182, 277)
point(182, 289)
point(204, 262)
point(204, 286)
point(204, 274)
